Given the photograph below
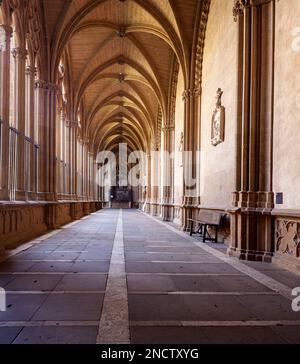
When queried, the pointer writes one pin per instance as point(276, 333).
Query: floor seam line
point(114, 321)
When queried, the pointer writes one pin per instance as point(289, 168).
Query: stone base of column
point(41, 196)
point(252, 232)
point(21, 196)
point(189, 205)
point(147, 208)
point(31, 196)
point(167, 212)
point(249, 255)
point(51, 216)
point(154, 208)
point(4, 195)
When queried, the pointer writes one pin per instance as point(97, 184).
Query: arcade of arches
point(217, 77)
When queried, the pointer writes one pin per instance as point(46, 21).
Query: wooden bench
point(206, 219)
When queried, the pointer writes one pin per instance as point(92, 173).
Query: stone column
point(20, 56)
point(30, 73)
point(85, 168)
point(148, 184)
point(91, 185)
point(73, 158)
point(5, 36)
point(168, 177)
point(191, 198)
point(51, 93)
point(251, 221)
point(40, 86)
point(155, 182)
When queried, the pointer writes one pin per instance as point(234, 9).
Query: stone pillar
point(191, 198)
point(20, 56)
point(5, 36)
point(51, 93)
point(168, 177)
point(73, 159)
point(155, 182)
point(251, 220)
point(30, 118)
point(91, 184)
point(148, 184)
point(46, 99)
point(40, 86)
point(85, 168)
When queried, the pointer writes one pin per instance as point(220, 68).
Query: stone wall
point(220, 65)
point(286, 170)
point(23, 222)
point(286, 132)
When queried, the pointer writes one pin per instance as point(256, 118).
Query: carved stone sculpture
point(218, 121)
point(288, 237)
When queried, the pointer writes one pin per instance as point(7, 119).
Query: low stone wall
point(20, 222)
point(287, 239)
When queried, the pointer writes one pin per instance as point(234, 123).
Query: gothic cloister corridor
point(120, 276)
point(149, 172)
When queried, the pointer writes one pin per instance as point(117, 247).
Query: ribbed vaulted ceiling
point(120, 56)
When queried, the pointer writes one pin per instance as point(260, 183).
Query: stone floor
point(123, 277)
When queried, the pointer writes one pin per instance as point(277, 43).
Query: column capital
point(71, 124)
point(5, 33)
point(52, 87)
point(30, 70)
point(84, 141)
point(191, 93)
point(241, 5)
point(20, 53)
point(168, 128)
point(40, 84)
point(7, 29)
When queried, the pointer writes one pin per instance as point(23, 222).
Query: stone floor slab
point(57, 335)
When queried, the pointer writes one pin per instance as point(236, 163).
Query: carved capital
point(20, 53)
point(84, 141)
point(238, 8)
point(52, 87)
point(71, 124)
point(168, 128)
point(31, 71)
point(191, 93)
point(241, 5)
point(5, 34)
point(40, 84)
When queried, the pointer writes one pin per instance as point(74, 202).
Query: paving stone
point(8, 334)
point(21, 307)
point(57, 335)
point(147, 267)
point(35, 282)
point(204, 335)
point(80, 282)
point(70, 307)
point(187, 308)
point(269, 307)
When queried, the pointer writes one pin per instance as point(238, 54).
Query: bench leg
point(191, 228)
point(204, 234)
point(217, 230)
